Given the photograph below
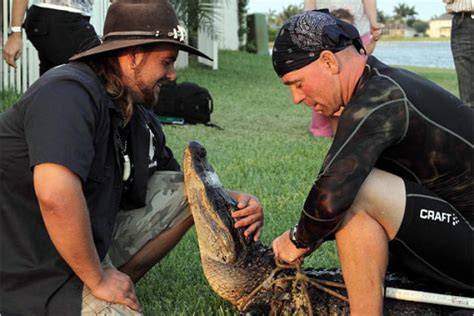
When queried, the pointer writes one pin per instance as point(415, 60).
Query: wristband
point(295, 242)
point(14, 29)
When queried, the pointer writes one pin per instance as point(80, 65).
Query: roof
point(445, 16)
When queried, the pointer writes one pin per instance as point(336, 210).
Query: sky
point(426, 8)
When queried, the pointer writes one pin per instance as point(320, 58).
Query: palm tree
point(381, 17)
point(272, 18)
point(242, 16)
point(198, 15)
point(404, 12)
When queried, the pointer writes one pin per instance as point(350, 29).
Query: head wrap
point(303, 37)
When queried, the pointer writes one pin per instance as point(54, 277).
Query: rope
point(300, 278)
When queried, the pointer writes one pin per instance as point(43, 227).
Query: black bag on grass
point(184, 102)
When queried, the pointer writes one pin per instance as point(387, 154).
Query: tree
point(242, 15)
point(272, 18)
point(404, 12)
point(420, 26)
point(289, 11)
point(381, 17)
point(273, 24)
point(276, 20)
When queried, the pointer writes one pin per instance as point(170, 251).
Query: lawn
point(264, 149)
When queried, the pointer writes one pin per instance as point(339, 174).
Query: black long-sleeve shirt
point(401, 123)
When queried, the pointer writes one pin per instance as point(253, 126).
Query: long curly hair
point(107, 68)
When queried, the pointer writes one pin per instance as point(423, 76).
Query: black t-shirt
point(65, 118)
point(401, 123)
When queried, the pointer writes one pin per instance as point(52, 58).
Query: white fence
point(27, 70)
point(27, 67)
point(227, 25)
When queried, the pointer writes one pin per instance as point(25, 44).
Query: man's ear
point(329, 61)
point(135, 57)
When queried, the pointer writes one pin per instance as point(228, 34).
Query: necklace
point(127, 168)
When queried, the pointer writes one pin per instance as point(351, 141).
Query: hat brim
point(113, 45)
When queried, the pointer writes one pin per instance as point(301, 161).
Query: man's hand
point(285, 250)
point(250, 214)
point(116, 287)
point(13, 48)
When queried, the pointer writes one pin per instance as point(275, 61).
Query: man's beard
point(150, 98)
point(147, 96)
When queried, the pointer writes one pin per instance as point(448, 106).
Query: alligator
point(245, 273)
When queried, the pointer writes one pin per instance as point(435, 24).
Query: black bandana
point(302, 39)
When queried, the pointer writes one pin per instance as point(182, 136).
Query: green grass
point(265, 149)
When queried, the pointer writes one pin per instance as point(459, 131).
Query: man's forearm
point(18, 12)
point(370, 7)
point(66, 217)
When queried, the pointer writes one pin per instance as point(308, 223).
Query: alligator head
point(233, 264)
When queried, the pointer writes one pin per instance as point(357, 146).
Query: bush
point(8, 98)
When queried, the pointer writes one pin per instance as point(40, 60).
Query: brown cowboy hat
point(138, 22)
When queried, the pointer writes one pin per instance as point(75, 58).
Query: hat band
point(178, 33)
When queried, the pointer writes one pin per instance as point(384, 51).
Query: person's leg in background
point(57, 35)
point(462, 47)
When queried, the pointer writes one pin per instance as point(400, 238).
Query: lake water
point(424, 54)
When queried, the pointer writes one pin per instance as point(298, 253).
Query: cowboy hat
point(137, 22)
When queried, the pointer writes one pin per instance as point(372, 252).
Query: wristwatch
point(14, 29)
point(295, 242)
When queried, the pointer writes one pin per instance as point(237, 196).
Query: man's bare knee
point(381, 196)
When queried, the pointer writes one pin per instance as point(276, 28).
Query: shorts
point(166, 207)
point(434, 240)
point(92, 306)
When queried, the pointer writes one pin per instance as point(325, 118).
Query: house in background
point(398, 29)
point(27, 71)
point(440, 27)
